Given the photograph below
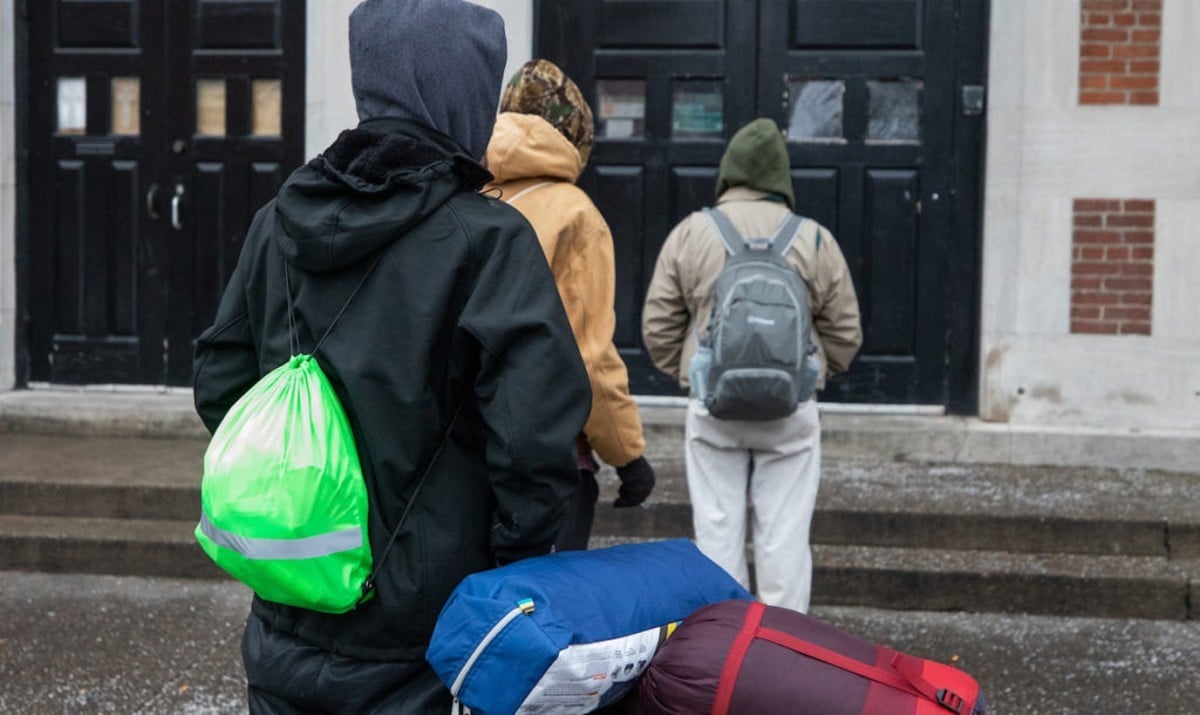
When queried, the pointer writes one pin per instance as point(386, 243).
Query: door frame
point(965, 257)
point(964, 270)
point(22, 240)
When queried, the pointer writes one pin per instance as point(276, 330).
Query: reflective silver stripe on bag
point(311, 547)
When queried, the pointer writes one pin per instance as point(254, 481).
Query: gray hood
point(436, 62)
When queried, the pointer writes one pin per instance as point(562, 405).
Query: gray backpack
point(759, 340)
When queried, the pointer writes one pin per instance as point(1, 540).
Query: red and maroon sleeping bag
point(745, 658)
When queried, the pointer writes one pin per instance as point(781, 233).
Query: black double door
point(156, 129)
point(881, 101)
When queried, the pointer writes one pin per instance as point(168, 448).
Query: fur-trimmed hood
point(366, 190)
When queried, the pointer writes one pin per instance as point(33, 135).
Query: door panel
point(624, 186)
point(139, 200)
point(236, 131)
point(889, 283)
point(98, 24)
point(817, 195)
point(837, 24)
point(658, 24)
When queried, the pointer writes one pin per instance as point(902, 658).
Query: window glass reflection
point(126, 106)
point(268, 107)
point(210, 107)
point(622, 105)
point(816, 110)
point(895, 111)
point(72, 105)
point(698, 110)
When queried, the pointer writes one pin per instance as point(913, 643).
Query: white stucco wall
point(8, 199)
point(1044, 151)
point(330, 103)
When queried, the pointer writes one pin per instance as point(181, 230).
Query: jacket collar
point(744, 193)
point(413, 130)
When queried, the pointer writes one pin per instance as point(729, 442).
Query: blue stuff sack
point(569, 632)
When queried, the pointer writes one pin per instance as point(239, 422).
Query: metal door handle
point(175, 223)
point(152, 202)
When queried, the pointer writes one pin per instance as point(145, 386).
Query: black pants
point(581, 512)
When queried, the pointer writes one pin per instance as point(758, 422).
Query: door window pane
point(895, 111)
point(698, 110)
point(622, 108)
point(268, 107)
point(72, 105)
point(210, 107)
point(126, 106)
point(816, 110)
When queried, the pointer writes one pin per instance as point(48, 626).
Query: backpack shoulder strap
point(734, 243)
point(786, 234)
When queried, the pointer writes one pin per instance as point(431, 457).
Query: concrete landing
point(848, 431)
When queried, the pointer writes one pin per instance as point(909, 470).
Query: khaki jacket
point(535, 169)
point(679, 299)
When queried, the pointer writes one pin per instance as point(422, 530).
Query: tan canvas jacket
point(535, 168)
point(679, 299)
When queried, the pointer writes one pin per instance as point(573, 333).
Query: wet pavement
point(103, 644)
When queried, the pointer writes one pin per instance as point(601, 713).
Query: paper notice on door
point(591, 675)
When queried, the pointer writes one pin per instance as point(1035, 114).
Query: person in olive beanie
point(450, 353)
point(757, 159)
point(774, 464)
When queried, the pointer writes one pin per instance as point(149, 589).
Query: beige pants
point(776, 464)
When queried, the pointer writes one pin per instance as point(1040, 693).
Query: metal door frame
point(21, 84)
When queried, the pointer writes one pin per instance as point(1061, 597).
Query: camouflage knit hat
point(541, 88)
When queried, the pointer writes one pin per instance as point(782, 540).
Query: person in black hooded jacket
point(456, 334)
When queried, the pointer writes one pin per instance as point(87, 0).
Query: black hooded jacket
point(460, 311)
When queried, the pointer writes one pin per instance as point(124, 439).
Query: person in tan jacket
point(776, 462)
point(539, 147)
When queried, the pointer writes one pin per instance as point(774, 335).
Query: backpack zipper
point(524, 606)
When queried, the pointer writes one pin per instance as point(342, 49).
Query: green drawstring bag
point(283, 501)
point(284, 505)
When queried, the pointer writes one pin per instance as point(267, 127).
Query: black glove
point(637, 481)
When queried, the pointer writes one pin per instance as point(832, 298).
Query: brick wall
point(1119, 51)
point(1112, 266)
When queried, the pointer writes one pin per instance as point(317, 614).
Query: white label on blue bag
point(585, 673)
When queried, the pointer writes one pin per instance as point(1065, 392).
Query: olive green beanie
point(757, 157)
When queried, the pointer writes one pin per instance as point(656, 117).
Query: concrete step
point(119, 547)
point(1015, 533)
point(848, 431)
point(838, 519)
point(1004, 582)
point(902, 579)
point(980, 507)
point(997, 582)
point(1078, 541)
